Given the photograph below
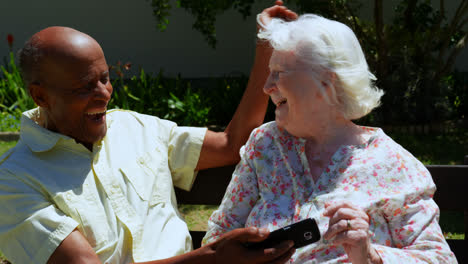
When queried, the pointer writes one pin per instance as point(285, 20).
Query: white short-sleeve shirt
point(120, 196)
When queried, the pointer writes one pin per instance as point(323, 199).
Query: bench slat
point(209, 189)
point(451, 182)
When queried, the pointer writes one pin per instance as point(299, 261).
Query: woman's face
point(299, 102)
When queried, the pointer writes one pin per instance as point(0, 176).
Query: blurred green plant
point(205, 12)
point(14, 99)
point(184, 101)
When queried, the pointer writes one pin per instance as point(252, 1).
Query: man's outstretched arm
point(222, 148)
point(75, 249)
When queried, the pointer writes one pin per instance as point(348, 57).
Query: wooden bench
point(451, 195)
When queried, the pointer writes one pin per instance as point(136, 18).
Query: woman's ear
point(38, 94)
point(331, 86)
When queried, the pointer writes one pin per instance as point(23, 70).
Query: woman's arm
point(415, 231)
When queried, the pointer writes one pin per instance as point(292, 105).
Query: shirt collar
point(36, 137)
point(40, 139)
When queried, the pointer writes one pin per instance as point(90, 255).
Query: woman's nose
point(270, 85)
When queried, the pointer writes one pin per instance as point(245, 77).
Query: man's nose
point(103, 91)
point(270, 85)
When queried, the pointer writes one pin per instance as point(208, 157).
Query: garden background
point(188, 61)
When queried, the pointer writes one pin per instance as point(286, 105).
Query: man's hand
point(278, 11)
point(230, 248)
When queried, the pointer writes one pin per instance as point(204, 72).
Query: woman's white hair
point(325, 46)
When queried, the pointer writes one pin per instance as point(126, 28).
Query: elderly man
point(87, 185)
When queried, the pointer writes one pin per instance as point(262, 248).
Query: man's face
point(77, 92)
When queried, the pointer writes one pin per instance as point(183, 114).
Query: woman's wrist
point(374, 257)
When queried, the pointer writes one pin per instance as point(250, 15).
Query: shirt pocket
point(150, 177)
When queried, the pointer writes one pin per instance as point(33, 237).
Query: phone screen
point(301, 233)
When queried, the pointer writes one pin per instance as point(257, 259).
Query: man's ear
point(38, 94)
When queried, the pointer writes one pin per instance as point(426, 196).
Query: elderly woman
point(371, 198)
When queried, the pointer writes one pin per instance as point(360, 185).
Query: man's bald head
point(53, 45)
point(68, 77)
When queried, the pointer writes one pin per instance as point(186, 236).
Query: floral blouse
point(272, 187)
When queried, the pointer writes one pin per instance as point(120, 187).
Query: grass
point(6, 145)
point(196, 216)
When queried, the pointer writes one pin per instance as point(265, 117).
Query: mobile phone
point(301, 233)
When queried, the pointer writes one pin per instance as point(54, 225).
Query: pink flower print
point(397, 212)
point(283, 187)
point(402, 167)
point(274, 190)
point(302, 149)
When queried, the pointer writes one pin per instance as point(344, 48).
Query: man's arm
point(75, 249)
point(222, 148)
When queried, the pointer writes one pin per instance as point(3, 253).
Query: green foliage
point(186, 102)
point(9, 122)
point(14, 99)
point(205, 12)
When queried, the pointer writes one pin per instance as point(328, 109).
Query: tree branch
point(409, 18)
point(356, 26)
point(381, 44)
point(451, 58)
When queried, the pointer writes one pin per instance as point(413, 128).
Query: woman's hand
point(278, 10)
point(349, 225)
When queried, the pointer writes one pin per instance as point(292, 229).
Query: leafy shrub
point(13, 97)
point(195, 102)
